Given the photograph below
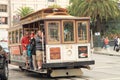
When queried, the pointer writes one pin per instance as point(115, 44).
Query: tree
point(96, 9)
point(54, 6)
point(24, 11)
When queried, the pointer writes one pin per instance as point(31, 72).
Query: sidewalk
point(108, 51)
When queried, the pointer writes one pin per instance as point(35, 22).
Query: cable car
point(67, 46)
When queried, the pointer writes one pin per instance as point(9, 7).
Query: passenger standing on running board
point(39, 49)
point(24, 42)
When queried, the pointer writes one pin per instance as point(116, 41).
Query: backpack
point(28, 50)
point(117, 49)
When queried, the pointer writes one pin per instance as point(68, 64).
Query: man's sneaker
point(39, 68)
point(35, 69)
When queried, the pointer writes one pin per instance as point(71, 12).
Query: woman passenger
point(33, 50)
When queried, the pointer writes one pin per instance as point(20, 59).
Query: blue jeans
point(30, 62)
point(106, 46)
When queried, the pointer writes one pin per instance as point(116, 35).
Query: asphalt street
point(106, 68)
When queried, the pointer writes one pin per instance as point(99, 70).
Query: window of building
point(51, 0)
point(16, 18)
point(3, 8)
point(3, 20)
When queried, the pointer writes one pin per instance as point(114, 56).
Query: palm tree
point(96, 9)
point(54, 6)
point(23, 11)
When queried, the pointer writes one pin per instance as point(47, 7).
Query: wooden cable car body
point(67, 41)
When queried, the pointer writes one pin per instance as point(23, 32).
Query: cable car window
point(68, 28)
point(16, 35)
point(82, 31)
point(54, 32)
point(20, 34)
point(13, 39)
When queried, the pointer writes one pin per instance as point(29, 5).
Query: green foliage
point(54, 6)
point(24, 11)
point(98, 10)
point(113, 28)
point(93, 8)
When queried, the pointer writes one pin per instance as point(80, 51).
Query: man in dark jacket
point(115, 42)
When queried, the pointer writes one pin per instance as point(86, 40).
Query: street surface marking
point(12, 66)
point(76, 79)
point(112, 78)
point(102, 67)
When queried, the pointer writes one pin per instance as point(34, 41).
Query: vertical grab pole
point(91, 42)
point(91, 39)
point(43, 46)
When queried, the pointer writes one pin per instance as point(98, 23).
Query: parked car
point(6, 49)
point(4, 71)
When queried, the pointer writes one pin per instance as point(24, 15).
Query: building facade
point(4, 18)
point(33, 4)
point(4, 14)
point(9, 8)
